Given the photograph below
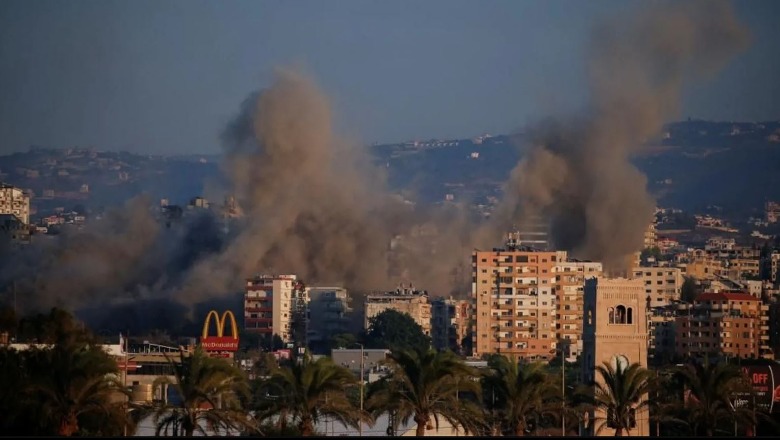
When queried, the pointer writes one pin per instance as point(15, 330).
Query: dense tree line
point(71, 387)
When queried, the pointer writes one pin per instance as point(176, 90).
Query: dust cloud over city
point(313, 203)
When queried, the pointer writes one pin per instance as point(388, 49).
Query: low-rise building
point(404, 300)
point(723, 324)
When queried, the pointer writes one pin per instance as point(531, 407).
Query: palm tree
point(425, 384)
point(521, 391)
point(709, 389)
point(621, 394)
point(72, 383)
point(210, 392)
point(307, 391)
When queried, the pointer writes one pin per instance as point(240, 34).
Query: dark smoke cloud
point(577, 172)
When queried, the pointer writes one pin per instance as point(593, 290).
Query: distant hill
point(692, 165)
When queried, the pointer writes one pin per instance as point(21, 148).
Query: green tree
point(65, 388)
point(307, 391)
point(211, 392)
point(396, 331)
point(519, 392)
point(709, 391)
point(689, 290)
point(622, 393)
point(74, 382)
point(342, 340)
point(426, 384)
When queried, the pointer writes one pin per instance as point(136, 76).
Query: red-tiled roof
point(726, 296)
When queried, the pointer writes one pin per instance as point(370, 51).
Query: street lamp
point(362, 369)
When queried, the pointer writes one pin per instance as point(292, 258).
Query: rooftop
point(726, 296)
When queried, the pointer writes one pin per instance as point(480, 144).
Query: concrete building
point(569, 288)
point(328, 312)
point(15, 201)
point(404, 300)
point(661, 332)
point(449, 323)
point(663, 285)
point(724, 324)
point(515, 302)
point(614, 331)
point(650, 236)
point(771, 265)
point(276, 304)
point(373, 359)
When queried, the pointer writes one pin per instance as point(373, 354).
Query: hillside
point(693, 165)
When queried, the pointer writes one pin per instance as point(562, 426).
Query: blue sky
point(165, 76)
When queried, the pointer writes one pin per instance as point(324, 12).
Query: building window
point(611, 315)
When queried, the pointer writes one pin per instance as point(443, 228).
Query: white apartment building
point(276, 304)
point(15, 201)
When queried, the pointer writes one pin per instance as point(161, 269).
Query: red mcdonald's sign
point(220, 342)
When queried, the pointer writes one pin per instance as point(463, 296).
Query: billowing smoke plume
point(315, 206)
point(577, 173)
point(312, 203)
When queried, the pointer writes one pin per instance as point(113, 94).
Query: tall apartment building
point(276, 304)
point(15, 201)
point(771, 267)
point(404, 300)
point(723, 324)
point(650, 236)
point(449, 323)
point(569, 288)
point(663, 285)
point(328, 313)
point(614, 331)
point(514, 303)
point(528, 302)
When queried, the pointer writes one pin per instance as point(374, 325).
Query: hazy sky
point(165, 76)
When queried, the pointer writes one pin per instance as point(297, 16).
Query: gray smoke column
point(313, 204)
point(577, 172)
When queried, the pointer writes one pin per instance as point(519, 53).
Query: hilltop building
point(614, 331)
point(277, 304)
point(15, 201)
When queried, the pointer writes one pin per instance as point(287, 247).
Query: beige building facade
point(404, 300)
point(528, 303)
point(15, 201)
point(614, 331)
point(663, 285)
point(271, 304)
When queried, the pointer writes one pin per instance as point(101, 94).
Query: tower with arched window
point(615, 331)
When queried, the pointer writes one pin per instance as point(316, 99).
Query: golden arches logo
point(220, 342)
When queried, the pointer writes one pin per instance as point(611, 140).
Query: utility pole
point(362, 369)
point(563, 394)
